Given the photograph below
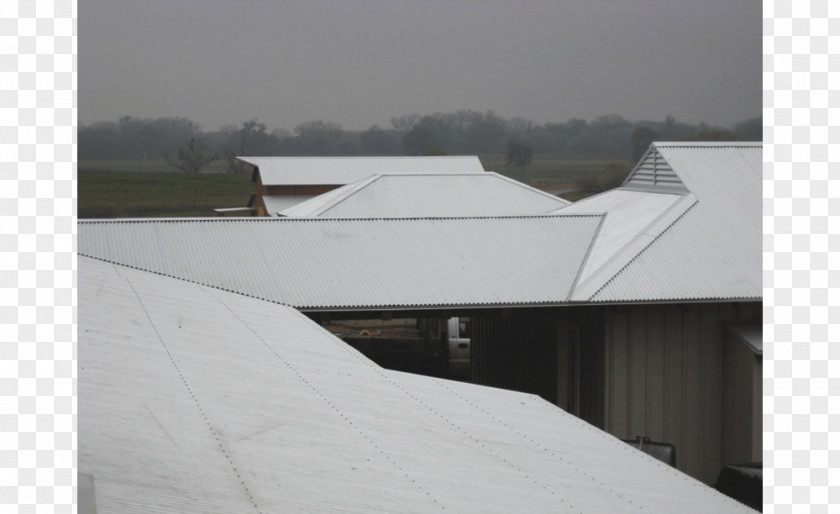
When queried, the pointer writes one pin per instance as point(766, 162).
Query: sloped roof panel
point(430, 195)
point(194, 399)
point(630, 219)
point(279, 171)
point(713, 250)
point(322, 264)
point(314, 206)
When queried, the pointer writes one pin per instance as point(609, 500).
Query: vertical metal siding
point(742, 410)
point(517, 351)
point(666, 378)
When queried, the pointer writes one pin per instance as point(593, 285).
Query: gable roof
point(713, 249)
point(690, 230)
point(653, 173)
point(281, 171)
point(429, 195)
point(321, 264)
point(194, 399)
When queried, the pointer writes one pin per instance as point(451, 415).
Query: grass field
point(142, 165)
point(541, 173)
point(152, 188)
point(110, 194)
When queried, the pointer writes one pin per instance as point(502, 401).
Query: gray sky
point(361, 62)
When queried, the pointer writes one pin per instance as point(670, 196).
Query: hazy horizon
point(363, 62)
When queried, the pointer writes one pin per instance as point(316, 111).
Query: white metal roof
point(429, 195)
point(278, 171)
point(629, 226)
point(192, 399)
point(274, 204)
point(713, 249)
point(686, 225)
point(324, 263)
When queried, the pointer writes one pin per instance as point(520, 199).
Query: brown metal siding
point(261, 190)
point(665, 377)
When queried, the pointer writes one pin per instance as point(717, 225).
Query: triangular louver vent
point(653, 173)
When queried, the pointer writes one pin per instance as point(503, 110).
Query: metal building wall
point(664, 367)
point(742, 406)
point(518, 349)
point(515, 350)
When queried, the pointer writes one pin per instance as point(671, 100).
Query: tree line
point(462, 132)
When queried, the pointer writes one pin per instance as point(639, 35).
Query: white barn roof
point(429, 195)
point(319, 264)
point(194, 399)
point(281, 171)
point(685, 225)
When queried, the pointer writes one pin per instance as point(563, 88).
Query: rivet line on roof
point(460, 429)
point(388, 457)
point(630, 449)
point(191, 393)
point(530, 440)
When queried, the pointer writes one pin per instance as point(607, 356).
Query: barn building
point(281, 182)
point(631, 309)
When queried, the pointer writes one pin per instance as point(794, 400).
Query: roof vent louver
point(654, 174)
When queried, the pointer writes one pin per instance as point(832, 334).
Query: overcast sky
point(361, 62)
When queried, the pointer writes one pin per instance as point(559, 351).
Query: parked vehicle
point(458, 338)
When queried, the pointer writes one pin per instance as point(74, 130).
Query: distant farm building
point(638, 310)
point(282, 182)
point(428, 195)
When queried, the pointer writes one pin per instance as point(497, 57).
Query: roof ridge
point(353, 156)
point(530, 188)
point(352, 189)
point(709, 144)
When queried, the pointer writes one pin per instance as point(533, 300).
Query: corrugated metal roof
point(274, 204)
point(429, 195)
point(322, 263)
point(279, 171)
point(193, 399)
point(713, 250)
point(632, 220)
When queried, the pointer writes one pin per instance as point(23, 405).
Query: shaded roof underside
point(275, 204)
point(331, 264)
point(429, 195)
point(194, 399)
point(280, 171)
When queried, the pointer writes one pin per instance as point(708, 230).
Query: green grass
point(543, 172)
point(142, 194)
point(157, 165)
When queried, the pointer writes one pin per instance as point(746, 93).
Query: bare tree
point(191, 158)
